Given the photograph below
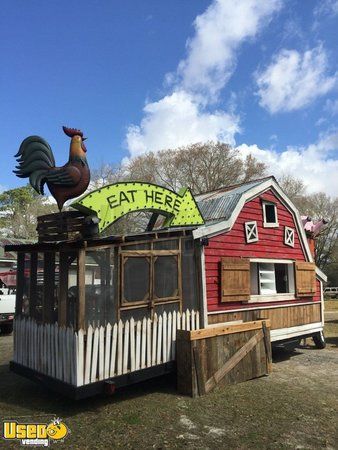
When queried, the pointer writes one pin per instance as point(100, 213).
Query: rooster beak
point(84, 139)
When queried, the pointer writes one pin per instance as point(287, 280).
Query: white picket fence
point(99, 353)
point(46, 348)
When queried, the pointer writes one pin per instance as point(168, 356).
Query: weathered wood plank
point(164, 337)
point(119, 347)
point(143, 343)
point(80, 360)
point(93, 373)
point(159, 341)
point(138, 345)
point(107, 351)
point(101, 353)
point(153, 351)
point(113, 352)
point(132, 344)
point(125, 347)
point(221, 330)
point(233, 361)
point(149, 342)
point(89, 344)
point(199, 371)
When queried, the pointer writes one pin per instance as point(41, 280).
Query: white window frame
point(251, 232)
point(269, 224)
point(266, 298)
point(289, 236)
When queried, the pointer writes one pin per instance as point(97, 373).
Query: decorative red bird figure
point(36, 161)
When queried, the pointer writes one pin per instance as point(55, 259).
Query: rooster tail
point(35, 158)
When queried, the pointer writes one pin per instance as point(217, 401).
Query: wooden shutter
point(235, 280)
point(305, 279)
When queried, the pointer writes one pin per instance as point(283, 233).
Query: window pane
point(72, 293)
point(136, 279)
point(25, 298)
point(254, 279)
point(166, 276)
point(139, 246)
point(190, 293)
point(99, 292)
point(281, 272)
point(267, 278)
point(170, 244)
point(270, 213)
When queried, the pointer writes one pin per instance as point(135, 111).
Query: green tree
point(201, 167)
point(19, 209)
point(317, 206)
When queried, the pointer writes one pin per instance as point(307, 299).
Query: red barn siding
point(270, 245)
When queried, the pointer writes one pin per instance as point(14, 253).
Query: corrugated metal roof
point(10, 241)
point(219, 204)
point(219, 207)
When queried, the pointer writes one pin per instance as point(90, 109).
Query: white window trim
point(251, 232)
point(287, 241)
point(271, 298)
point(274, 261)
point(266, 298)
point(269, 224)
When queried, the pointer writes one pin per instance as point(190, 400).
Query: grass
point(331, 305)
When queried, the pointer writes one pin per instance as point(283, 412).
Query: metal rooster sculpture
point(36, 161)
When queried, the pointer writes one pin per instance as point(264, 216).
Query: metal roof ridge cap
point(235, 186)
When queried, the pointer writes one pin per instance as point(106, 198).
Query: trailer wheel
point(6, 329)
point(319, 340)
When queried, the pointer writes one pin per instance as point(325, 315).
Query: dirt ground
point(293, 408)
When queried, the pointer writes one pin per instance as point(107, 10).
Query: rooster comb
point(72, 132)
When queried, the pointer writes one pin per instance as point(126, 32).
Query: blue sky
point(139, 76)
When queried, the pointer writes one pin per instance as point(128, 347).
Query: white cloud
point(293, 80)
point(188, 114)
point(179, 119)
point(326, 7)
point(219, 31)
point(316, 165)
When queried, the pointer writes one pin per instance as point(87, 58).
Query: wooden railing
point(100, 353)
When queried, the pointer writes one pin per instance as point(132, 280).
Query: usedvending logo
point(38, 434)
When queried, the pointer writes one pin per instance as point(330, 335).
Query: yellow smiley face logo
point(57, 431)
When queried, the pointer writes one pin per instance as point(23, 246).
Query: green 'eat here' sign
point(113, 201)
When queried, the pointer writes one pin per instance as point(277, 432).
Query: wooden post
point(63, 289)
point(49, 287)
point(108, 299)
point(33, 284)
point(267, 345)
point(20, 283)
point(81, 280)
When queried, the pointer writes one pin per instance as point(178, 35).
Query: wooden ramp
point(228, 354)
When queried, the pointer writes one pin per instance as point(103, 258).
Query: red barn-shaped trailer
point(93, 311)
point(256, 261)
